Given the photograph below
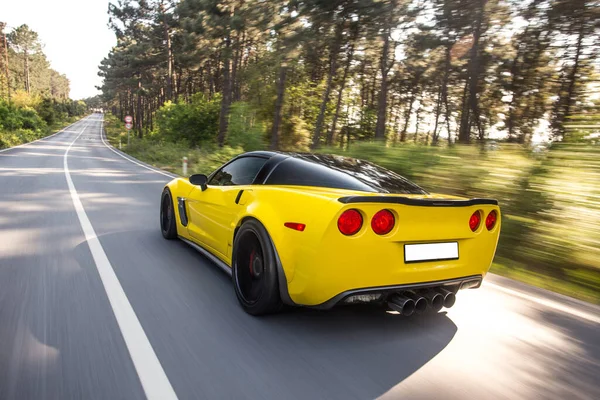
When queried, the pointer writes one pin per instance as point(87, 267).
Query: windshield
point(340, 173)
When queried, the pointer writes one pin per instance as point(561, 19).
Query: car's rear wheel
point(168, 225)
point(255, 270)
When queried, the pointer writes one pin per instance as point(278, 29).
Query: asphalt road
point(66, 334)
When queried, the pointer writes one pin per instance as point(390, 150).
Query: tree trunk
point(363, 85)
point(130, 104)
point(385, 66)
point(226, 100)
point(448, 114)
point(234, 67)
point(6, 70)
point(331, 133)
point(510, 122)
point(139, 112)
point(447, 110)
point(333, 56)
point(470, 103)
point(167, 38)
point(211, 82)
point(396, 126)
point(27, 84)
point(413, 96)
point(438, 110)
point(278, 107)
point(572, 79)
point(407, 115)
point(237, 66)
point(417, 124)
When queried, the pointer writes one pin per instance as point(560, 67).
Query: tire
point(254, 271)
point(168, 225)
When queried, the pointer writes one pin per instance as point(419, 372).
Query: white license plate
point(430, 252)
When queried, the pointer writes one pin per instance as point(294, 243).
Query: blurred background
point(479, 98)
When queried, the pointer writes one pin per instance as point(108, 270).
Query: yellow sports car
point(317, 230)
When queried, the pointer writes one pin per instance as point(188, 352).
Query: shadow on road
point(568, 355)
point(210, 348)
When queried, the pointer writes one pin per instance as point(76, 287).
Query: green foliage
point(193, 122)
point(23, 123)
point(10, 118)
point(47, 111)
point(30, 119)
point(245, 130)
point(14, 118)
point(169, 155)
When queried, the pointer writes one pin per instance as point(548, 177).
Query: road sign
point(128, 119)
point(128, 126)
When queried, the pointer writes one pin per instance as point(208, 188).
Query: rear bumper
point(320, 263)
point(453, 285)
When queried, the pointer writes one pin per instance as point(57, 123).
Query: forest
point(34, 98)
point(304, 74)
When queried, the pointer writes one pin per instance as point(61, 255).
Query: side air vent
point(182, 211)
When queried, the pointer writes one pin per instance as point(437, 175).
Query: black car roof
point(260, 153)
point(319, 158)
point(376, 178)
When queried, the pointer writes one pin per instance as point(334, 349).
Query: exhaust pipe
point(449, 297)
point(435, 299)
point(420, 302)
point(402, 304)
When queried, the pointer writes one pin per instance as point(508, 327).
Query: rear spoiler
point(417, 202)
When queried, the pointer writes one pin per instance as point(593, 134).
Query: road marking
point(45, 137)
point(154, 380)
point(547, 303)
point(129, 159)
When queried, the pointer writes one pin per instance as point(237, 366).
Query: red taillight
point(491, 219)
point(295, 226)
point(383, 222)
point(350, 222)
point(474, 221)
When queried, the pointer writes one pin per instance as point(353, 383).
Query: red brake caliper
point(252, 262)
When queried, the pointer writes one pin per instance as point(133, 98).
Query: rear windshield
point(340, 173)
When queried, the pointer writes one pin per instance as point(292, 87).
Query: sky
point(74, 33)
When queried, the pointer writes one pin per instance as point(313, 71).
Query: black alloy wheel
point(255, 271)
point(168, 225)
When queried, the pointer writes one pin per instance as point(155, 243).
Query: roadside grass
point(22, 136)
point(580, 284)
point(166, 155)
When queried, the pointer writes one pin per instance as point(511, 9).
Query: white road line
point(129, 159)
point(154, 380)
point(547, 303)
point(45, 137)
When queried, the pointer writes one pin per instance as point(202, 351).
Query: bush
point(13, 118)
point(9, 117)
point(193, 123)
point(31, 120)
point(47, 111)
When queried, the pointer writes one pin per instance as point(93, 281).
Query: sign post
point(128, 126)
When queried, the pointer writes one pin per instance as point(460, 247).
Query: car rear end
point(397, 250)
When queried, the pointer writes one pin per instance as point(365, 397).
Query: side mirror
point(199, 180)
